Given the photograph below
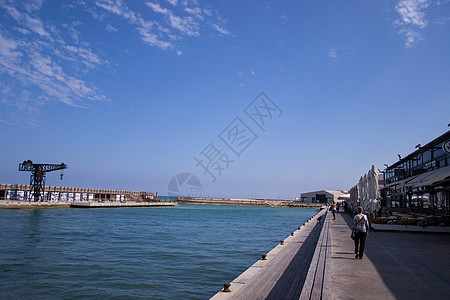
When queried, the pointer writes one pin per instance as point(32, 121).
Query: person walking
point(334, 211)
point(360, 231)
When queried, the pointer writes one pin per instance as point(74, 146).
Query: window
point(438, 152)
point(426, 156)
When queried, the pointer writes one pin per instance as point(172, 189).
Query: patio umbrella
point(372, 182)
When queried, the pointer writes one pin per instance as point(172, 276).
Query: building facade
point(324, 196)
point(421, 180)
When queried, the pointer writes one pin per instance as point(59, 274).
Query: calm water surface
point(182, 252)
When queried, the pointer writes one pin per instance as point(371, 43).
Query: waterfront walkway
point(396, 265)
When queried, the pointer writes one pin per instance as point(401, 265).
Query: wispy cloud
point(111, 28)
point(412, 13)
point(170, 23)
point(173, 2)
point(220, 29)
point(333, 53)
point(413, 19)
point(38, 62)
point(43, 60)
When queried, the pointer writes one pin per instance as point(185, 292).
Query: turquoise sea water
point(182, 252)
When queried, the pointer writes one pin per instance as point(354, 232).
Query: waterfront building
point(421, 180)
point(324, 196)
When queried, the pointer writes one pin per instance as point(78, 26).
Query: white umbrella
point(361, 190)
point(365, 194)
point(372, 178)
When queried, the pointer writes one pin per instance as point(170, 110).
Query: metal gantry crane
point(37, 178)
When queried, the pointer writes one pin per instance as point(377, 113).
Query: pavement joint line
point(418, 261)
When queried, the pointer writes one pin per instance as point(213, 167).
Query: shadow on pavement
point(412, 265)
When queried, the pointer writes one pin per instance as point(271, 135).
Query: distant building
point(324, 196)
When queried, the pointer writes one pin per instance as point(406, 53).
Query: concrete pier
point(120, 204)
point(285, 269)
point(7, 204)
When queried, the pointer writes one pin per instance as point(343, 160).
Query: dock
point(298, 268)
point(83, 204)
point(13, 204)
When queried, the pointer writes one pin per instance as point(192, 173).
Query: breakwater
point(246, 202)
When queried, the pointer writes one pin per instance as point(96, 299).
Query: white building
point(324, 196)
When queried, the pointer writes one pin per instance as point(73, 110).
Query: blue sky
point(129, 93)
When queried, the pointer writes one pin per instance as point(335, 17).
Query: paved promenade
point(396, 265)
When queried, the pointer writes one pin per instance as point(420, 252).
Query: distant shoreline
point(247, 202)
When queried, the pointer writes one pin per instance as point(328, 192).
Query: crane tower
point(37, 178)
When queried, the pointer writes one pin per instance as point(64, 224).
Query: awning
point(430, 178)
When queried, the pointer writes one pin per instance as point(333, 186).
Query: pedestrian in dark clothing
point(360, 231)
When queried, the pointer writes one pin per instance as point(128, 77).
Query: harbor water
point(181, 252)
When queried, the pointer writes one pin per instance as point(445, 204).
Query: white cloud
point(143, 27)
point(8, 49)
point(119, 8)
point(42, 60)
point(86, 55)
point(23, 18)
point(186, 25)
point(220, 29)
point(111, 28)
point(170, 24)
point(38, 64)
point(195, 11)
point(333, 53)
point(412, 37)
point(413, 19)
point(157, 8)
point(412, 13)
